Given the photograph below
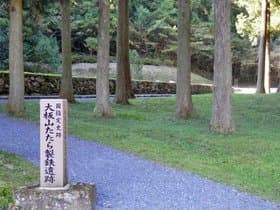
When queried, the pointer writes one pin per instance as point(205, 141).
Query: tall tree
point(123, 83)
point(16, 89)
point(262, 49)
point(267, 69)
point(248, 23)
point(249, 18)
point(103, 108)
point(222, 121)
point(184, 106)
point(66, 89)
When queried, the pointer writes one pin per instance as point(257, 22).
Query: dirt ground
point(149, 72)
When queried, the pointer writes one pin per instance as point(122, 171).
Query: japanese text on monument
point(53, 145)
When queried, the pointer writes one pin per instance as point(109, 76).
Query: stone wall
point(249, 74)
point(49, 85)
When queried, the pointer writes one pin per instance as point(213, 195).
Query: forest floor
point(148, 72)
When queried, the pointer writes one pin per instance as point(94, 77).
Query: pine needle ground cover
point(247, 159)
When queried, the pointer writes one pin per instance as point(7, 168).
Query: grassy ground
point(248, 159)
point(11, 169)
point(14, 172)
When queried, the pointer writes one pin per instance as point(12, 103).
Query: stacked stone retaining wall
point(49, 85)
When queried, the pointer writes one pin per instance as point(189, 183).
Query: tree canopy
point(249, 19)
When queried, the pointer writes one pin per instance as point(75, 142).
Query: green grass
point(247, 159)
point(14, 172)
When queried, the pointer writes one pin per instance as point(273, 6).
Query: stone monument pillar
point(53, 143)
point(54, 192)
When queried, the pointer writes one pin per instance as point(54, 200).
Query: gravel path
point(127, 182)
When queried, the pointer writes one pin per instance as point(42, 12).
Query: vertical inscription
point(53, 129)
point(49, 175)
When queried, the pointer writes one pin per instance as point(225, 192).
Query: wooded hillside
point(153, 33)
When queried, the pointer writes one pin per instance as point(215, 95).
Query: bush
point(136, 64)
point(41, 49)
point(6, 197)
point(83, 58)
point(91, 44)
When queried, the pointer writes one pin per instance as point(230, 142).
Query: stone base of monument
point(75, 196)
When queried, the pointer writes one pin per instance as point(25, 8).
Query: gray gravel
point(127, 182)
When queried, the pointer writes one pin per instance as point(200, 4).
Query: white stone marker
point(53, 143)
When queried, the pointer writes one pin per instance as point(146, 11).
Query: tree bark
point(184, 106)
point(66, 89)
point(267, 69)
point(221, 121)
point(123, 83)
point(261, 63)
point(103, 108)
point(16, 89)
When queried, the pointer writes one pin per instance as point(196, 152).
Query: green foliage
point(42, 49)
point(153, 30)
point(249, 20)
point(14, 172)
point(6, 197)
point(202, 11)
point(4, 36)
point(136, 64)
point(91, 44)
point(38, 47)
point(153, 27)
point(83, 58)
point(84, 24)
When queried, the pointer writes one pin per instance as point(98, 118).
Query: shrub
point(136, 64)
point(91, 44)
point(83, 58)
point(6, 197)
point(41, 49)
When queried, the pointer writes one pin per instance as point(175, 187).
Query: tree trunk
point(66, 89)
point(123, 83)
point(16, 89)
point(261, 63)
point(103, 108)
point(221, 121)
point(184, 106)
point(267, 81)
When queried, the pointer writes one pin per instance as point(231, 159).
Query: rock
point(77, 196)
point(9, 166)
point(50, 85)
point(40, 79)
point(13, 207)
